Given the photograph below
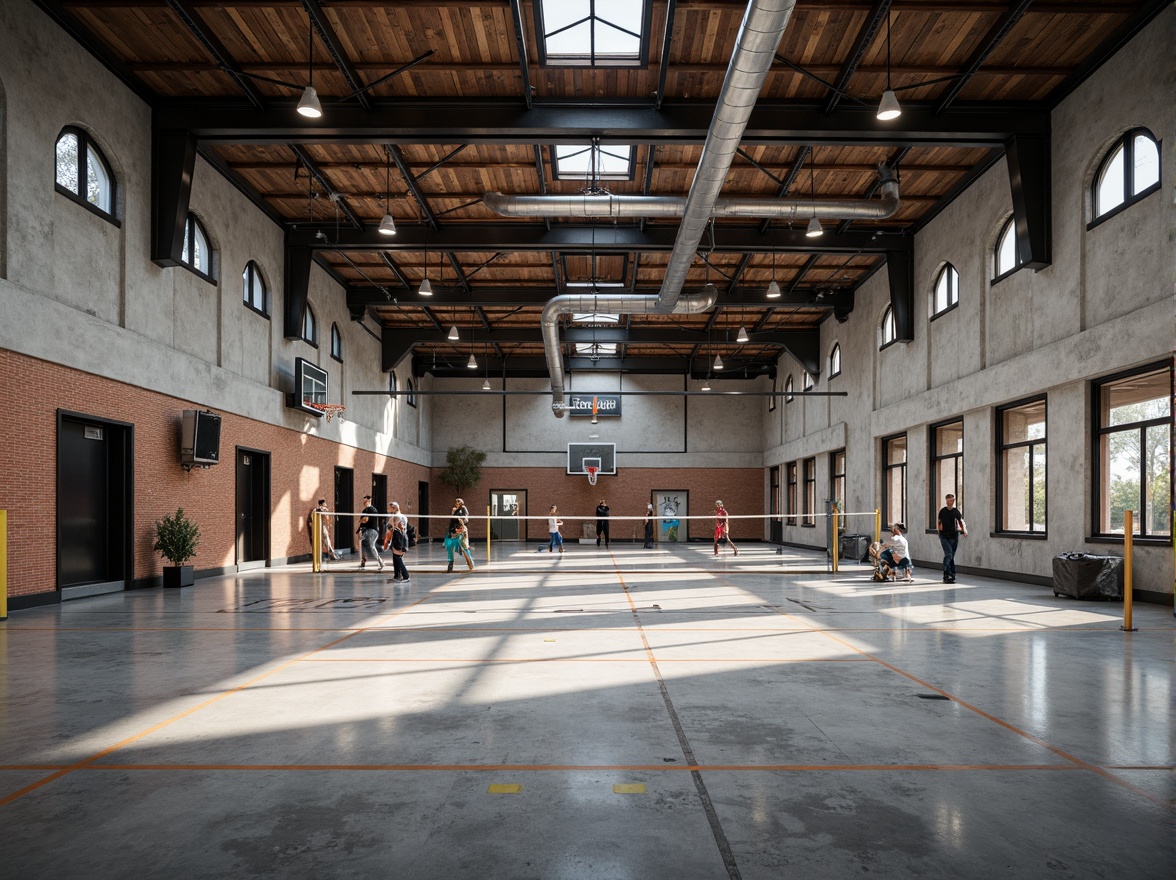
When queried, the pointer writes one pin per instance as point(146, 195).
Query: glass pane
point(561, 13)
point(888, 326)
point(835, 361)
point(895, 495)
point(98, 186)
point(1025, 422)
point(1120, 486)
point(946, 479)
point(946, 289)
point(187, 231)
point(788, 389)
point(949, 439)
point(896, 450)
point(200, 258)
point(839, 464)
point(1038, 499)
point(1147, 164)
point(1006, 252)
point(808, 381)
point(1136, 399)
point(1017, 489)
point(612, 40)
point(67, 162)
point(1108, 192)
point(1157, 467)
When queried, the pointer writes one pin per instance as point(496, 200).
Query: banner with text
point(602, 405)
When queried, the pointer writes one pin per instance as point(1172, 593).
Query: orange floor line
point(644, 768)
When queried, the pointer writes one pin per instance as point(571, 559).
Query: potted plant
point(176, 538)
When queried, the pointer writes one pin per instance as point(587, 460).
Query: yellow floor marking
point(505, 788)
point(629, 788)
point(549, 640)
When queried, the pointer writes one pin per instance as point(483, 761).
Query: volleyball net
point(838, 534)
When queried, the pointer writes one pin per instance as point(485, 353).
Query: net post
point(316, 541)
point(3, 565)
point(487, 534)
point(835, 541)
point(877, 525)
point(1128, 536)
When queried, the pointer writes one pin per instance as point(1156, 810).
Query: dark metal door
point(422, 509)
point(83, 499)
point(345, 503)
point(252, 506)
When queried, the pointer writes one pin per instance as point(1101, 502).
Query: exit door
point(253, 496)
point(345, 503)
point(506, 506)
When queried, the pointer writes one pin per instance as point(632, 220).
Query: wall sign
point(606, 405)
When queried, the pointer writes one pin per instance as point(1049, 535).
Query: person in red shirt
point(722, 528)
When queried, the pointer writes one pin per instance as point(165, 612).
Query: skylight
point(592, 33)
point(597, 349)
point(596, 318)
point(593, 162)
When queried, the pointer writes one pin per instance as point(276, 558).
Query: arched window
point(255, 293)
point(888, 331)
point(392, 386)
point(310, 326)
point(336, 343)
point(947, 290)
point(806, 381)
point(83, 174)
point(411, 392)
point(835, 361)
point(1130, 171)
point(1006, 249)
point(197, 254)
point(788, 389)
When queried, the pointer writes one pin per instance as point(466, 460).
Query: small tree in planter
point(176, 538)
point(463, 467)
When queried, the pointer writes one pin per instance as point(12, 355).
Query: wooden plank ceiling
point(943, 55)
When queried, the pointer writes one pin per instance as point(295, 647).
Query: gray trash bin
point(854, 547)
point(1085, 576)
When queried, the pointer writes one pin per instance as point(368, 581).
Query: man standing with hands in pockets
point(951, 526)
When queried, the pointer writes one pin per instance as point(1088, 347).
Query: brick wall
point(302, 470)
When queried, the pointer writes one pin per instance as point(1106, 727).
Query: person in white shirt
point(555, 539)
point(896, 552)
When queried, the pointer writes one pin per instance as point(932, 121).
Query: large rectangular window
point(810, 492)
point(947, 466)
point(837, 477)
point(1021, 490)
point(894, 463)
point(1133, 432)
point(792, 508)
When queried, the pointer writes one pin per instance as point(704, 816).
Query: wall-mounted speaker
point(200, 438)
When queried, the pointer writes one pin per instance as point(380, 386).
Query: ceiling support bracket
point(1029, 171)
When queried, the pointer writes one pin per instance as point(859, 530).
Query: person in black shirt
point(647, 523)
point(399, 546)
point(369, 534)
point(602, 522)
point(951, 526)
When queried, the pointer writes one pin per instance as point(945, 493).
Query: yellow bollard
point(877, 525)
point(1128, 530)
point(3, 565)
point(316, 542)
point(487, 533)
point(835, 547)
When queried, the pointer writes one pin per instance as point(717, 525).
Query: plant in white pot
point(176, 538)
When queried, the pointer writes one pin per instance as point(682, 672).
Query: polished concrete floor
point(605, 714)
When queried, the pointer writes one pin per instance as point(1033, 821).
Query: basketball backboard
point(310, 386)
point(606, 452)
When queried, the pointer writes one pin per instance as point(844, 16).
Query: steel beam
point(900, 267)
point(1029, 172)
point(297, 287)
point(489, 297)
point(173, 161)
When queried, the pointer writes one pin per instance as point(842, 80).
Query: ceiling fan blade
point(388, 76)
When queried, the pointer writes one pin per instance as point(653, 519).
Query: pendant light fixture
point(814, 225)
point(706, 383)
point(888, 107)
point(426, 288)
point(486, 384)
point(718, 364)
point(773, 287)
point(453, 334)
point(472, 363)
point(388, 224)
point(308, 104)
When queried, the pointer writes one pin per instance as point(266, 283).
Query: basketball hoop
point(592, 472)
point(329, 409)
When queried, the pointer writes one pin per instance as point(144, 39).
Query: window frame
point(1003, 449)
point(592, 59)
point(888, 515)
point(789, 389)
point(936, 487)
point(806, 381)
point(310, 325)
point(1126, 141)
point(1009, 227)
point(192, 225)
point(835, 360)
point(412, 401)
point(953, 277)
point(251, 275)
point(837, 477)
point(336, 342)
point(791, 516)
point(809, 503)
point(887, 326)
point(1098, 432)
point(85, 144)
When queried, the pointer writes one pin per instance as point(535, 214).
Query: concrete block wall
point(302, 470)
point(1107, 303)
